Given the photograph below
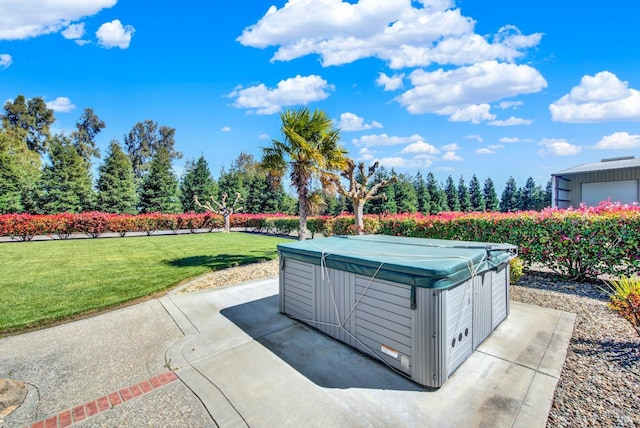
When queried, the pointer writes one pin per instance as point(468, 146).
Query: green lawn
point(47, 281)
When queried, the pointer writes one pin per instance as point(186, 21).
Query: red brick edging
point(106, 402)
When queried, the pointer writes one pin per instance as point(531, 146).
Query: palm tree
point(309, 150)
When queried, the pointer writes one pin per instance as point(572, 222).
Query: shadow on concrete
point(321, 359)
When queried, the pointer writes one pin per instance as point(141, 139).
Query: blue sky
point(501, 88)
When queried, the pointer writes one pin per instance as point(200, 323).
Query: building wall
point(574, 193)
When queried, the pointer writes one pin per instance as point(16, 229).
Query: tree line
point(47, 173)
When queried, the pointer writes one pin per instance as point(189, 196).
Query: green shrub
point(624, 298)
point(516, 270)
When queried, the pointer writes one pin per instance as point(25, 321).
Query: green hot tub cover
point(418, 262)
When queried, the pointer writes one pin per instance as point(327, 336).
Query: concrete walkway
point(239, 362)
point(253, 366)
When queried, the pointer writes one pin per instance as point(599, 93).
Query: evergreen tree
point(436, 195)
point(463, 196)
point(66, 184)
point(405, 195)
point(19, 174)
point(116, 184)
point(422, 193)
point(389, 201)
point(509, 200)
point(527, 197)
point(453, 201)
point(380, 205)
point(490, 196)
point(84, 136)
point(196, 181)
point(548, 193)
point(159, 191)
point(476, 196)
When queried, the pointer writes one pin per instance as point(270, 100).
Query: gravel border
point(600, 381)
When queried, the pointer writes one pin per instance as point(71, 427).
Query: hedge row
point(582, 243)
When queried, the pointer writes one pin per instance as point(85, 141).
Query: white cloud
point(366, 154)
point(512, 121)
point(114, 35)
point(263, 136)
point(226, 129)
point(73, 31)
point(559, 147)
point(299, 90)
point(444, 92)
point(24, 19)
point(384, 140)
point(451, 156)
point(393, 162)
point(475, 137)
point(617, 141)
point(474, 113)
point(420, 147)
point(392, 30)
point(451, 147)
point(512, 140)
point(485, 151)
point(353, 122)
point(5, 61)
point(598, 98)
point(495, 146)
point(510, 104)
point(390, 83)
point(61, 104)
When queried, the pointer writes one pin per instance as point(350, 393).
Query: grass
point(44, 282)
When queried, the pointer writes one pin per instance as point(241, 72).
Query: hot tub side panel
point(500, 295)
point(383, 321)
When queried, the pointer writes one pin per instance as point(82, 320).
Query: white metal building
point(615, 179)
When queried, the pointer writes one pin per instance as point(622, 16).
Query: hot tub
point(421, 306)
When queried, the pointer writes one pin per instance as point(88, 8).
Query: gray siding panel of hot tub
point(429, 338)
point(383, 318)
point(298, 298)
point(459, 323)
point(335, 299)
point(482, 307)
point(500, 296)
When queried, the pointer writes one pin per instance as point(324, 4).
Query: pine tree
point(422, 193)
point(116, 183)
point(476, 196)
point(453, 201)
point(548, 193)
point(528, 195)
point(196, 181)
point(30, 120)
point(436, 195)
point(463, 196)
point(405, 195)
point(490, 196)
point(160, 187)
point(66, 184)
point(509, 199)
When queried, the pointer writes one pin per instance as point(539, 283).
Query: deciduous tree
point(31, 120)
